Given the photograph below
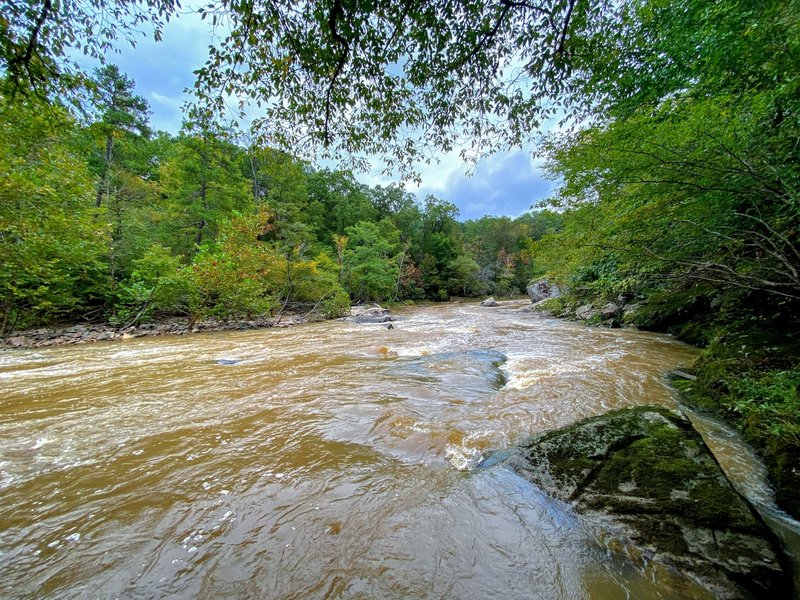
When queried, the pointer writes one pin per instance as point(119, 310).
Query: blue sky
point(507, 183)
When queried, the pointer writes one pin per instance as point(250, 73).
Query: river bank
point(101, 332)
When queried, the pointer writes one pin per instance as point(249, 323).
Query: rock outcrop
point(610, 310)
point(647, 479)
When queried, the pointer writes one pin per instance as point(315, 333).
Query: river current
point(329, 460)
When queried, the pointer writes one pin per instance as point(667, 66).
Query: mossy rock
point(650, 472)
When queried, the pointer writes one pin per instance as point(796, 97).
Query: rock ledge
point(646, 476)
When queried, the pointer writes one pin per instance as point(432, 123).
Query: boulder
point(610, 310)
point(646, 479)
point(489, 302)
point(630, 312)
point(370, 314)
point(542, 289)
point(586, 312)
point(17, 341)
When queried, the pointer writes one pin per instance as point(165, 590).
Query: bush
point(159, 284)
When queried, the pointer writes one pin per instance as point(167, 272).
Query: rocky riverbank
point(103, 332)
point(548, 299)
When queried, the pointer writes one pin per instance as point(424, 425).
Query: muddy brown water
point(330, 460)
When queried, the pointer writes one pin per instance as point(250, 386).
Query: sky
point(507, 183)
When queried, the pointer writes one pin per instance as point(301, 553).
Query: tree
point(344, 201)
point(202, 183)
point(40, 40)
point(52, 248)
point(358, 78)
point(237, 274)
point(371, 270)
point(464, 276)
point(119, 112)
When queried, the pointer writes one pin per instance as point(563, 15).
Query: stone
point(370, 314)
point(645, 477)
point(586, 312)
point(610, 310)
point(372, 311)
point(629, 313)
point(542, 289)
point(17, 341)
point(489, 302)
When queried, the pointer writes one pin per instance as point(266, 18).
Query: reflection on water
point(321, 461)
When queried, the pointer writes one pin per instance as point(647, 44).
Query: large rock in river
point(646, 477)
point(542, 289)
point(370, 314)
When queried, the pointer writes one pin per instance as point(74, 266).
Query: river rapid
point(329, 460)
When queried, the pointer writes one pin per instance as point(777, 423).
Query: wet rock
point(373, 310)
point(370, 314)
point(489, 302)
point(630, 312)
point(542, 289)
point(586, 312)
point(645, 477)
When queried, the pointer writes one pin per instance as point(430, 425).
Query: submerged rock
point(470, 374)
point(646, 478)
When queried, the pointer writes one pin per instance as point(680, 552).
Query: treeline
point(684, 203)
point(103, 219)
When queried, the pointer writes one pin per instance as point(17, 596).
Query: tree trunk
point(104, 181)
point(198, 239)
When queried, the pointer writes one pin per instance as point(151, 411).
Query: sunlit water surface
point(331, 460)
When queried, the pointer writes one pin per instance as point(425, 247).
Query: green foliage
point(201, 184)
point(316, 282)
point(51, 246)
point(40, 41)
point(352, 79)
point(682, 196)
point(371, 270)
point(768, 403)
point(238, 275)
point(159, 284)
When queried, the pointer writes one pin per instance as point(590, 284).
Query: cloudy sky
point(504, 184)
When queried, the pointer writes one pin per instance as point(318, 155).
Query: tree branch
point(337, 11)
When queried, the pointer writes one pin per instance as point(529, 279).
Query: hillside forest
point(677, 166)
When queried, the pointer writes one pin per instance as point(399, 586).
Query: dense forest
point(676, 155)
point(104, 219)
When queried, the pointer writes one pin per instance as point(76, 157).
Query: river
point(329, 460)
